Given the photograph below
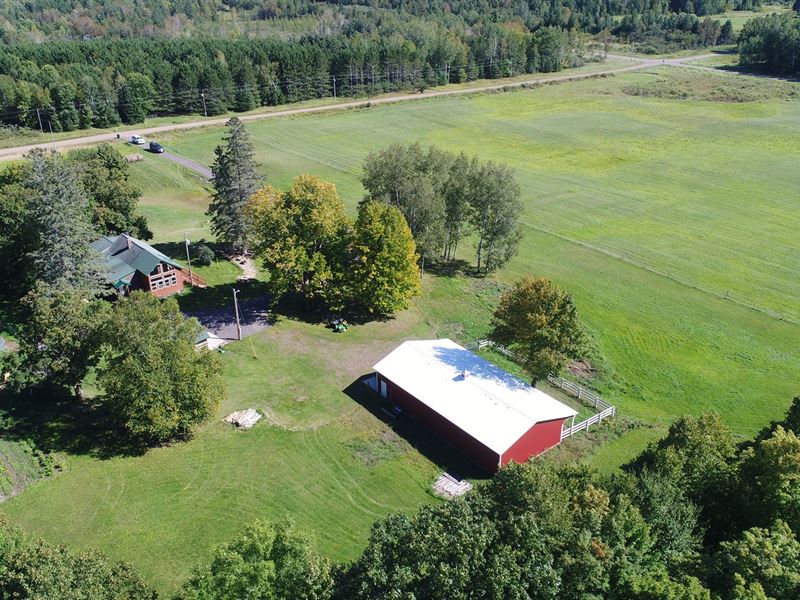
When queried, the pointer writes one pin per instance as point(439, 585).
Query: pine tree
point(235, 180)
point(61, 222)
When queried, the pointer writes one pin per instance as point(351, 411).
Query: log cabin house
point(132, 264)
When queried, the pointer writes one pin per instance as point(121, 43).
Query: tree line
point(76, 85)
point(772, 43)
point(86, 20)
point(695, 516)
point(354, 50)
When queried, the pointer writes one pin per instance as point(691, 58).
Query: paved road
point(637, 63)
point(189, 164)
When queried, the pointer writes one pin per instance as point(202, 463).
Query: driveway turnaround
point(254, 317)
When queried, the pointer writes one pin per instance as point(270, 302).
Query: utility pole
point(203, 96)
point(52, 136)
point(334, 86)
point(188, 259)
point(236, 310)
point(39, 116)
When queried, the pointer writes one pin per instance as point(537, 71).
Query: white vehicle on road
point(137, 139)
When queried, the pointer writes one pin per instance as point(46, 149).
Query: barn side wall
point(473, 449)
point(536, 440)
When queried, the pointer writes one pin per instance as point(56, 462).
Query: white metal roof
point(493, 406)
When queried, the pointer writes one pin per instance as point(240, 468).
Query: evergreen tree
point(16, 237)
point(61, 222)
point(235, 180)
point(135, 98)
point(726, 35)
point(538, 321)
point(385, 274)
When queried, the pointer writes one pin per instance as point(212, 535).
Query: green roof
point(126, 255)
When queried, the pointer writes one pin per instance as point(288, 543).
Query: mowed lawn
point(320, 457)
point(674, 223)
point(649, 211)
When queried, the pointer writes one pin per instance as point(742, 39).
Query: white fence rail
point(583, 395)
point(573, 429)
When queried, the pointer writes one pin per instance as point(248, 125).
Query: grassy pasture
point(649, 210)
point(672, 221)
point(739, 17)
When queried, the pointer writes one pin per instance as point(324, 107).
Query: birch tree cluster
point(447, 199)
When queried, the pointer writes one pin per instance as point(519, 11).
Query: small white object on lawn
point(243, 419)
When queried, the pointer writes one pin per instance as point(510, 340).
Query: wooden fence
point(583, 395)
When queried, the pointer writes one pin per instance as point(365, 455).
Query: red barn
point(485, 412)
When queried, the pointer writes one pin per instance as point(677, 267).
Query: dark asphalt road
point(189, 164)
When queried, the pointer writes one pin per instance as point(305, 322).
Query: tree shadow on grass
point(177, 250)
point(293, 307)
point(57, 422)
point(219, 297)
point(424, 441)
point(451, 268)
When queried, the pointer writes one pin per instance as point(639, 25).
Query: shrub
point(203, 255)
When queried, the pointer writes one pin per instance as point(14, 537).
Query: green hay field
point(673, 222)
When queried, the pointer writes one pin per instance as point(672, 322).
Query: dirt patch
point(246, 264)
point(8, 345)
point(583, 369)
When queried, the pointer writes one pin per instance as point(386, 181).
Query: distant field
point(739, 17)
point(673, 222)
